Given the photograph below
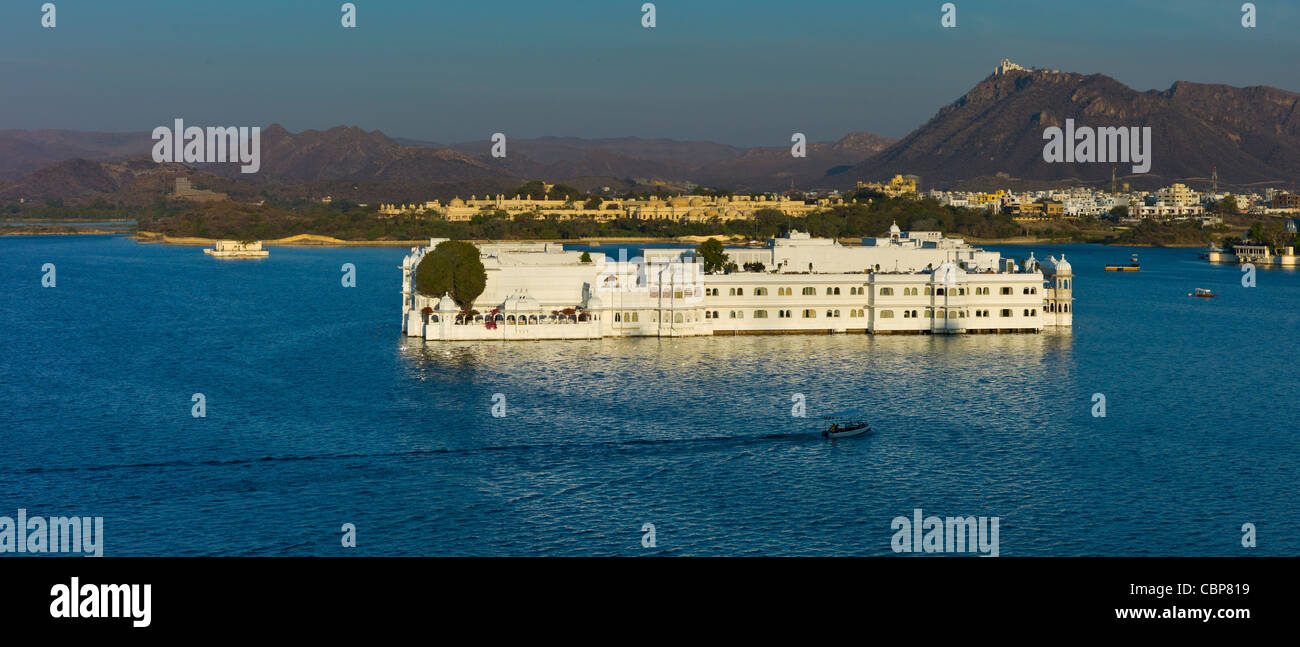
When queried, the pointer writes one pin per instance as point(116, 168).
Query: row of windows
point(957, 314)
point(678, 317)
point(633, 317)
point(857, 291)
point(522, 320)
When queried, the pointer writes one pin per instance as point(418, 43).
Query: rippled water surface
point(319, 413)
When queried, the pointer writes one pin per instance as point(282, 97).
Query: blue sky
point(740, 72)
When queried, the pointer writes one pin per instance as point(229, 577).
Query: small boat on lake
point(845, 425)
point(1203, 293)
point(1131, 267)
point(237, 249)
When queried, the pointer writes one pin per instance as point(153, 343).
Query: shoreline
point(316, 240)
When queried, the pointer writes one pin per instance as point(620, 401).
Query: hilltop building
point(898, 186)
point(1005, 66)
point(186, 191)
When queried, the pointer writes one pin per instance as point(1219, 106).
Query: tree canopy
point(452, 267)
point(712, 255)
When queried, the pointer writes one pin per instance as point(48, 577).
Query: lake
point(320, 413)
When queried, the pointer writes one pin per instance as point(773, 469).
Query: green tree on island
point(712, 255)
point(585, 258)
point(452, 267)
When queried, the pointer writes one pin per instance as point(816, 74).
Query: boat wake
point(415, 453)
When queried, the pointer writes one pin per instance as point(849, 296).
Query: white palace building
point(915, 282)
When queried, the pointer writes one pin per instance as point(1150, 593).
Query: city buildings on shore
point(1176, 202)
point(686, 208)
point(905, 282)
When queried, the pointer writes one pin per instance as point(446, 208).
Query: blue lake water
point(320, 413)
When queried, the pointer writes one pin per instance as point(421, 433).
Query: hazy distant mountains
point(1251, 134)
point(992, 135)
point(347, 160)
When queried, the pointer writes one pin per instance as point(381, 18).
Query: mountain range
point(369, 165)
point(1251, 135)
point(992, 136)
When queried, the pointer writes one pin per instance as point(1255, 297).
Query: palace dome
point(446, 304)
point(940, 274)
point(522, 302)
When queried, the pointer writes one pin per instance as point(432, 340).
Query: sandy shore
point(301, 240)
point(313, 240)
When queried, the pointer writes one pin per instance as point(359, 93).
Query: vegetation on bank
point(870, 215)
point(1155, 234)
point(97, 211)
point(351, 222)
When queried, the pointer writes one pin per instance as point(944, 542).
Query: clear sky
point(745, 72)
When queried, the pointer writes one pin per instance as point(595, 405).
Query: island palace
point(908, 282)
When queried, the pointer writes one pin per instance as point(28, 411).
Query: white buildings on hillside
point(915, 282)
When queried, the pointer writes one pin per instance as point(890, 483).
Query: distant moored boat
point(1131, 267)
point(237, 249)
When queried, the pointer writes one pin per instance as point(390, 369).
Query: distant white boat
point(237, 249)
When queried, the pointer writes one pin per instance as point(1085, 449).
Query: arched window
point(677, 318)
point(808, 292)
point(938, 292)
point(886, 292)
point(886, 314)
point(760, 292)
point(618, 317)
